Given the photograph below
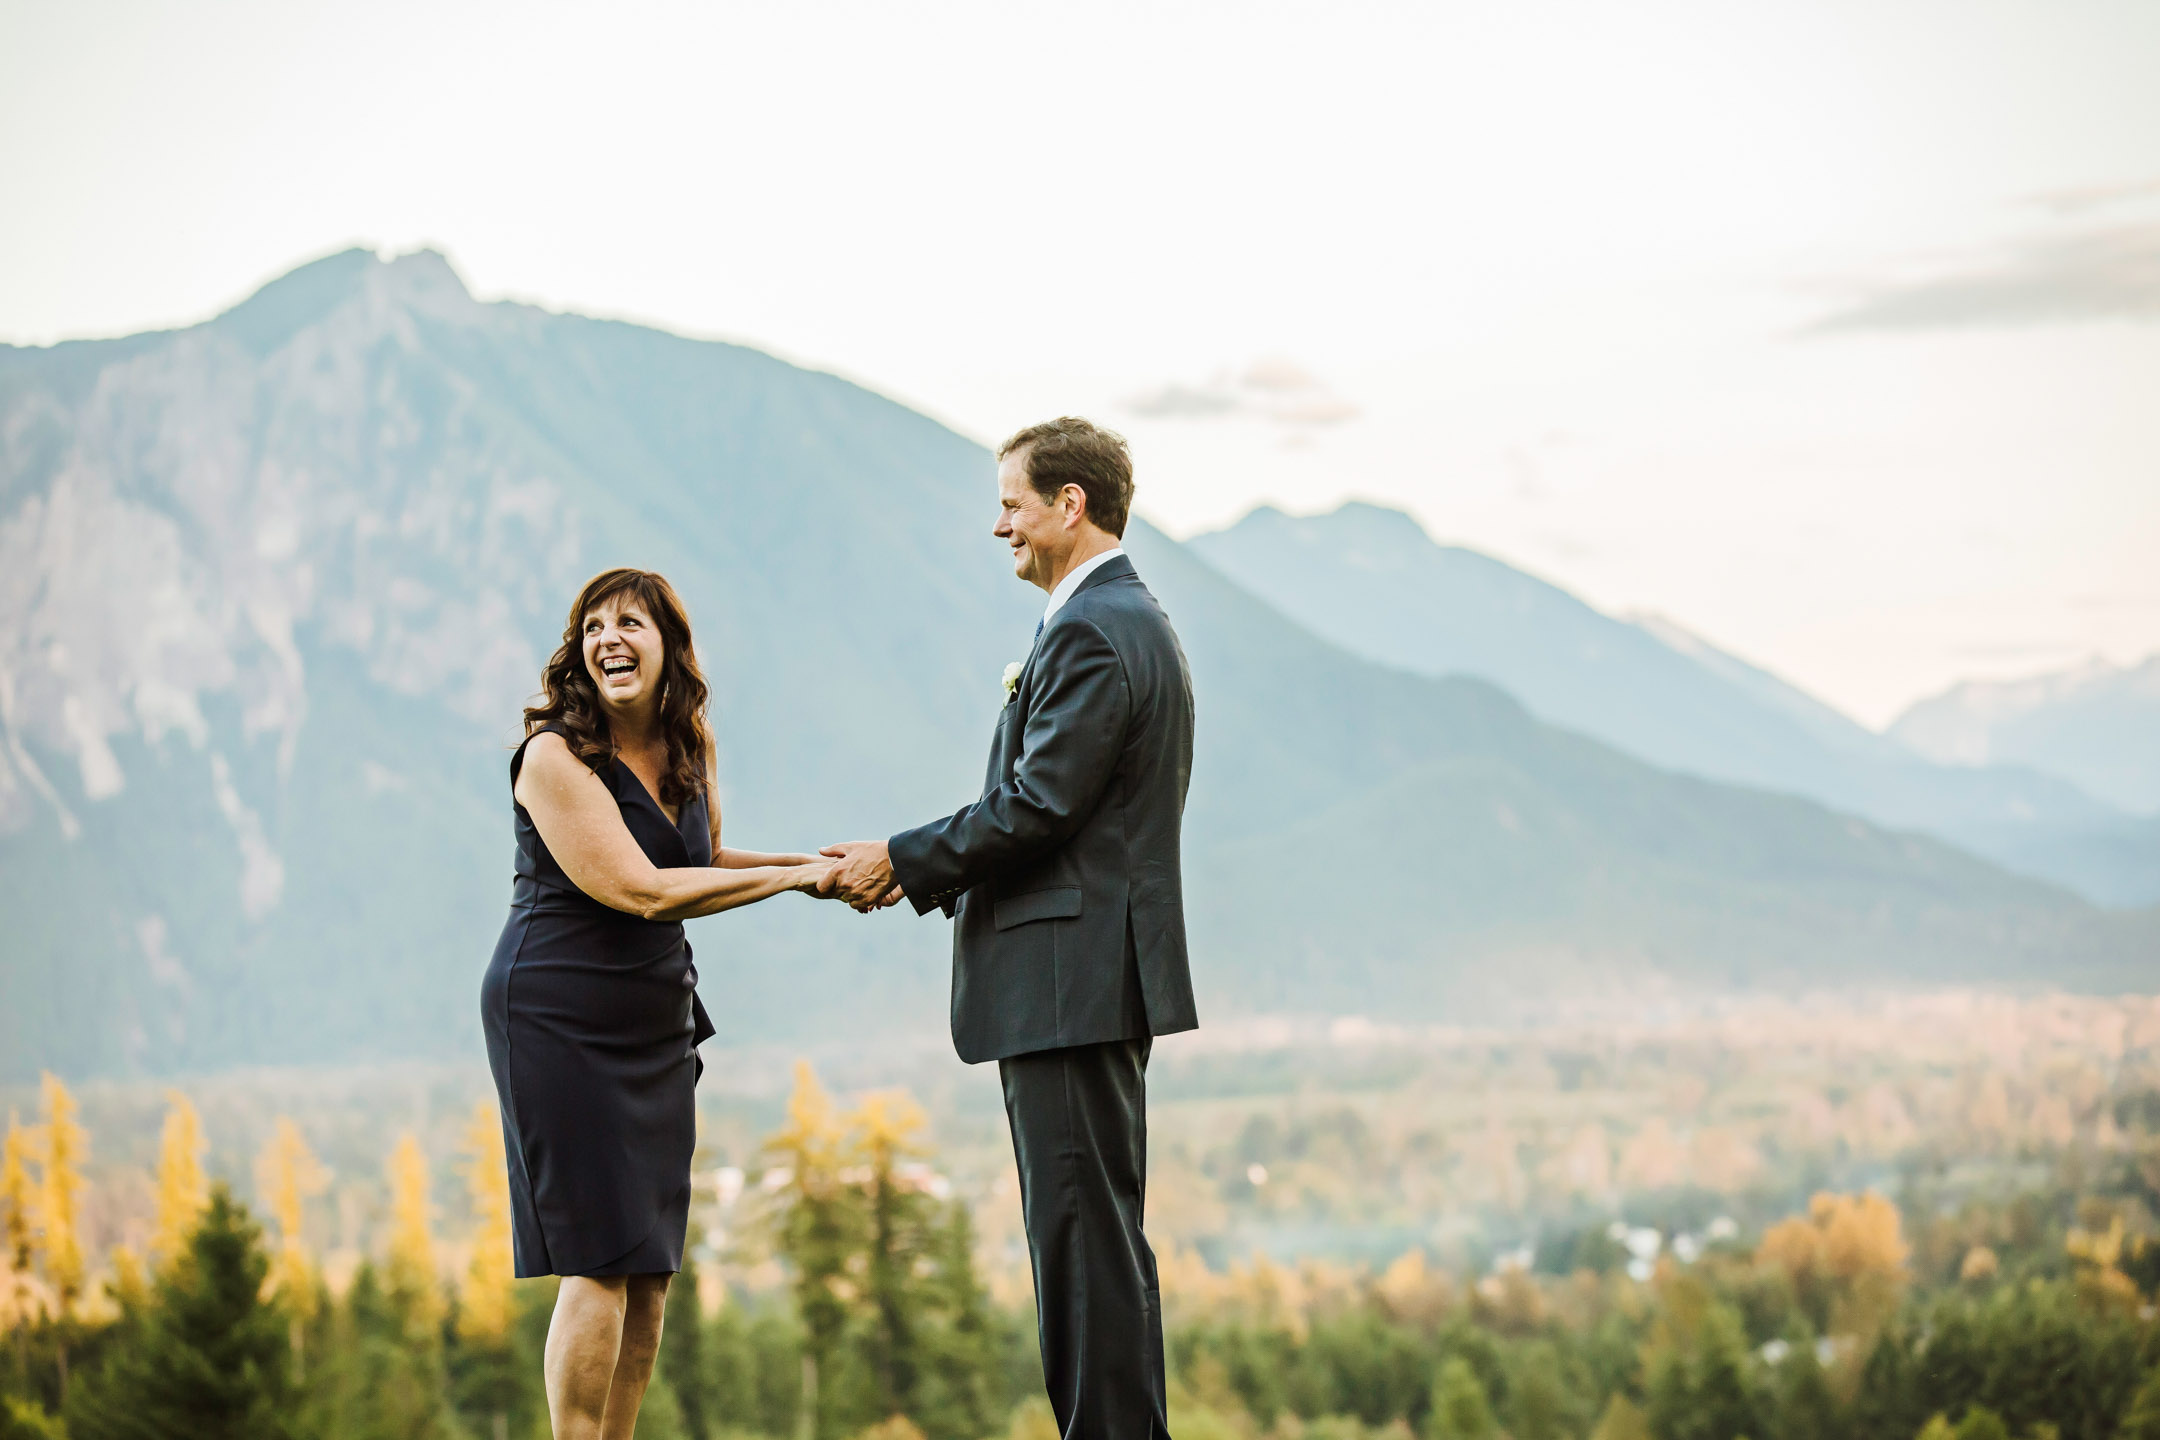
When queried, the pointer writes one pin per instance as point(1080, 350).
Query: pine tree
point(739, 1379)
point(1539, 1407)
point(961, 1353)
point(819, 1233)
point(210, 1358)
point(1806, 1408)
point(1623, 1420)
point(2142, 1420)
point(684, 1365)
point(887, 1124)
point(381, 1380)
point(1460, 1408)
point(182, 1191)
point(21, 1420)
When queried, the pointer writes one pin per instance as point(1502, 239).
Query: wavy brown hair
point(569, 698)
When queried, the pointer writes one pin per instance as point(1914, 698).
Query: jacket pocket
point(1061, 903)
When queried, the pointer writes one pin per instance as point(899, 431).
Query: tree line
point(2040, 1324)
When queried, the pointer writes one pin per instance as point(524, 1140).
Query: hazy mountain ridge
point(2096, 724)
point(277, 584)
point(1371, 580)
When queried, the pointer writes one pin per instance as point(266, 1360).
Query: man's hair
point(1072, 451)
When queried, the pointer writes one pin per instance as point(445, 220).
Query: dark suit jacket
point(1065, 876)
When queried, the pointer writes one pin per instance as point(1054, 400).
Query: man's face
point(1041, 532)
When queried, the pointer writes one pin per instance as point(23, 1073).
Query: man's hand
point(863, 877)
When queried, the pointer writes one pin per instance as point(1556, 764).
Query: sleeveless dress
point(593, 1024)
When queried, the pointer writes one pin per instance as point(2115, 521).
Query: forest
point(2027, 1314)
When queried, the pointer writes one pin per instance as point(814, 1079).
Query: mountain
point(2097, 726)
point(274, 586)
point(1370, 580)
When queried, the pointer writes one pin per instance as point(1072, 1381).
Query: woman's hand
point(810, 876)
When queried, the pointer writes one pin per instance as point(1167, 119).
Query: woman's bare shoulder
point(548, 758)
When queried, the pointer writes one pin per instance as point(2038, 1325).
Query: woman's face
point(623, 653)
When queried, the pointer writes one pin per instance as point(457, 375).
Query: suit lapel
point(1005, 748)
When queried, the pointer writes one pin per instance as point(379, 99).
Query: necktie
point(1038, 634)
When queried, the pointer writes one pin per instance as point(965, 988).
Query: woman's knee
point(594, 1293)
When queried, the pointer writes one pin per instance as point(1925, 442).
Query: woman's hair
point(570, 699)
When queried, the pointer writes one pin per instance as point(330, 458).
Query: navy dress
point(593, 1024)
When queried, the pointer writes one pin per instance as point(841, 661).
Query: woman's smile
point(619, 638)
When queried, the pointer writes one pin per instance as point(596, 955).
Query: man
point(1069, 951)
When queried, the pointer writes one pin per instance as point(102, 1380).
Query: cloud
point(1183, 402)
point(2098, 272)
point(2094, 197)
point(1272, 389)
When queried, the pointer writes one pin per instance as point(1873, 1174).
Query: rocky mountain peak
point(421, 280)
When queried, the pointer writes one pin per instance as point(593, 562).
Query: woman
point(590, 1002)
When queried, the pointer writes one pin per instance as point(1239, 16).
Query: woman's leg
point(645, 1307)
point(585, 1340)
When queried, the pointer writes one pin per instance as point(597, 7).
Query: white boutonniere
point(1012, 680)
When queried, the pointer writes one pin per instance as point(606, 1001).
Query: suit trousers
point(1079, 1128)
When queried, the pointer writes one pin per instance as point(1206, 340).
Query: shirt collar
point(1071, 582)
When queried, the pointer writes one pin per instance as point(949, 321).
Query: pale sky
point(1830, 330)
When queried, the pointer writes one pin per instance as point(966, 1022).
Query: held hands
point(862, 876)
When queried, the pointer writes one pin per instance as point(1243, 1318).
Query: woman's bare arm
point(578, 818)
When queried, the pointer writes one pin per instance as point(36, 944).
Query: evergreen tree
point(961, 1391)
point(209, 1360)
point(1702, 1390)
point(2142, 1420)
point(21, 1420)
point(1805, 1408)
point(1888, 1404)
point(819, 1233)
point(1460, 1409)
point(1623, 1420)
point(887, 1125)
point(383, 1377)
point(1541, 1405)
point(685, 1367)
point(776, 1342)
point(1981, 1423)
point(732, 1370)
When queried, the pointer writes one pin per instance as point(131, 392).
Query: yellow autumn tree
point(411, 1264)
point(484, 1301)
point(2096, 1260)
point(1846, 1258)
point(182, 1189)
point(287, 1176)
point(22, 1299)
point(65, 1147)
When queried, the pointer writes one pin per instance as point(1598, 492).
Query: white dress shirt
point(1071, 582)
